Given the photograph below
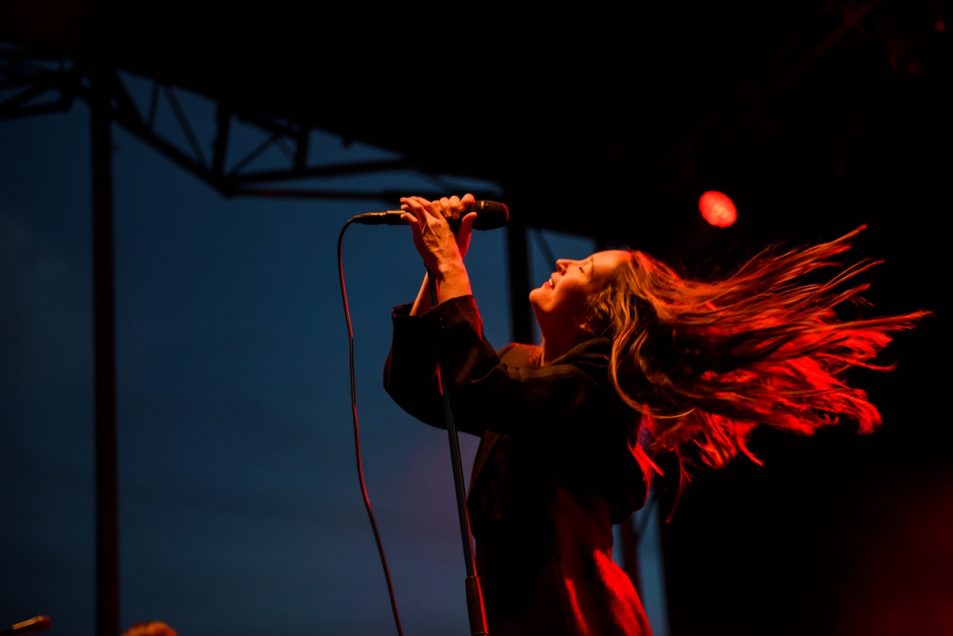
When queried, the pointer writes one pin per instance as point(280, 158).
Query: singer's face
point(560, 302)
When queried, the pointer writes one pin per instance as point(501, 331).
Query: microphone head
point(490, 215)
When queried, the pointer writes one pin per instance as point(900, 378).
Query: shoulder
point(588, 360)
point(592, 354)
point(592, 358)
point(518, 355)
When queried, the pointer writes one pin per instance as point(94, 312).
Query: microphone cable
point(357, 436)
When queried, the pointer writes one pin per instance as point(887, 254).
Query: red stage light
point(717, 208)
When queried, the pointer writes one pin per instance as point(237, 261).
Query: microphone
point(29, 626)
point(490, 215)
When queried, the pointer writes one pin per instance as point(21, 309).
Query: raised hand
point(441, 250)
point(433, 236)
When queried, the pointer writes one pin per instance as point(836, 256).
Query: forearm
point(422, 302)
point(452, 281)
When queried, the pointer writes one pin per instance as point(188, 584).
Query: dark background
point(607, 121)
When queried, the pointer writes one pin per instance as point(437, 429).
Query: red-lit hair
point(706, 362)
point(149, 628)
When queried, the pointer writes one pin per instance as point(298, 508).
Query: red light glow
point(717, 208)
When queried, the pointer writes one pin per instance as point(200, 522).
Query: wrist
point(449, 270)
point(452, 280)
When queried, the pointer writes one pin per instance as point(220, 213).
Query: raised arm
point(441, 250)
point(489, 391)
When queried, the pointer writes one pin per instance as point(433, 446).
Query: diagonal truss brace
point(35, 84)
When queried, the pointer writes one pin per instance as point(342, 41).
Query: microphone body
point(490, 215)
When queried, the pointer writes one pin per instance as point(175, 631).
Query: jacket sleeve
point(485, 393)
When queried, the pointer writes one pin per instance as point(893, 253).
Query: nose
point(562, 264)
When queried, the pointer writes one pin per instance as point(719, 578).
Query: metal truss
point(34, 84)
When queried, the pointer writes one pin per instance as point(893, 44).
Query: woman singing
point(627, 344)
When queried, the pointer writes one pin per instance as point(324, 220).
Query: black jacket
point(554, 470)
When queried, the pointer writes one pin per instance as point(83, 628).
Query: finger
point(413, 208)
point(468, 199)
point(465, 232)
point(434, 209)
point(411, 212)
point(466, 225)
point(446, 207)
point(412, 221)
point(418, 201)
point(415, 201)
point(455, 207)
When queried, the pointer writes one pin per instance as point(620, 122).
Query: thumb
point(464, 232)
point(466, 223)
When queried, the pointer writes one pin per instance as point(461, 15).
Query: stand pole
point(104, 333)
point(475, 607)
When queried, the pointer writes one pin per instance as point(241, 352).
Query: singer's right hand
point(441, 250)
point(453, 207)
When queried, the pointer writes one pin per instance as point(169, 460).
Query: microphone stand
point(475, 607)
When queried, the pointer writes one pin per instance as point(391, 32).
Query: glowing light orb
point(717, 208)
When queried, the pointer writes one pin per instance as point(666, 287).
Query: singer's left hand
point(457, 207)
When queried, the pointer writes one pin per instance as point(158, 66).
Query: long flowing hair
point(706, 362)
